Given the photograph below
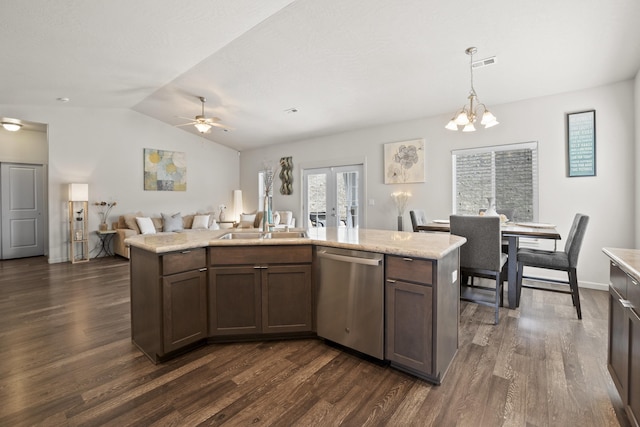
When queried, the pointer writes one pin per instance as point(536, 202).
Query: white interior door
point(333, 196)
point(22, 210)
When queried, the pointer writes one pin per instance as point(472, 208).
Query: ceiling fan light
point(469, 128)
point(203, 127)
point(451, 125)
point(11, 127)
point(462, 118)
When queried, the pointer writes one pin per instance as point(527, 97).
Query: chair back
point(418, 217)
point(483, 249)
point(575, 237)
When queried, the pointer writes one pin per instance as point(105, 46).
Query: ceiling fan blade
point(186, 124)
point(218, 125)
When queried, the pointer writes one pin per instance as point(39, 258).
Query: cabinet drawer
point(409, 269)
point(177, 262)
point(633, 293)
point(251, 255)
point(618, 279)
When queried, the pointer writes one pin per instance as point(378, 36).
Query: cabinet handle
point(203, 269)
point(185, 252)
point(634, 282)
point(626, 303)
point(260, 267)
point(407, 259)
point(391, 281)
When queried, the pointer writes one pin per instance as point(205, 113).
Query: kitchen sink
point(260, 235)
point(235, 236)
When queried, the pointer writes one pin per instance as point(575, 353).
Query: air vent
point(484, 62)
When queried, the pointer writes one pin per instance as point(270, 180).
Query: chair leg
point(575, 293)
point(498, 296)
point(519, 282)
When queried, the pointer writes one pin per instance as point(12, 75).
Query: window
point(509, 173)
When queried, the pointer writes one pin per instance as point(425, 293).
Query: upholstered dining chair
point(481, 256)
point(418, 217)
point(566, 260)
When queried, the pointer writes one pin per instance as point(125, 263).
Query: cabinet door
point(409, 325)
point(184, 314)
point(286, 298)
point(633, 407)
point(234, 301)
point(618, 357)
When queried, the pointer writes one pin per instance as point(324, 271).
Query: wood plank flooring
point(66, 359)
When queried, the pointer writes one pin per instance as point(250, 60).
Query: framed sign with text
point(581, 143)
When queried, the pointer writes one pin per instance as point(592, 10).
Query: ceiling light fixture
point(201, 124)
point(11, 126)
point(468, 114)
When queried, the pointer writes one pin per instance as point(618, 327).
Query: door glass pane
point(317, 199)
point(347, 191)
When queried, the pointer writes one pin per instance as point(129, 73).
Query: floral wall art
point(165, 170)
point(404, 162)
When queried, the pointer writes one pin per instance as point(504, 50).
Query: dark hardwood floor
point(67, 359)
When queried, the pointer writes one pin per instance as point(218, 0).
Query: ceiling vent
point(484, 62)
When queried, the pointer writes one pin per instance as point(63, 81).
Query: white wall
point(637, 159)
point(608, 198)
point(104, 148)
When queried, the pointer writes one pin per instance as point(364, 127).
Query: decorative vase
point(103, 226)
point(491, 210)
point(267, 218)
point(400, 223)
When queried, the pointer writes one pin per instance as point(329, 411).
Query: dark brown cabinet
point(257, 290)
point(624, 339)
point(168, 301)
point(421, 311)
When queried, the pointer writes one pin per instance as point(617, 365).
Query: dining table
point(511, 232)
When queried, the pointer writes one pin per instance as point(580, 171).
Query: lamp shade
point(79, 192)
point(237, 204)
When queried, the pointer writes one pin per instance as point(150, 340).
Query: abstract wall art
point(286, 175)
point(165, 170)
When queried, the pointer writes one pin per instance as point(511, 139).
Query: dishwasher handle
point(351, 259)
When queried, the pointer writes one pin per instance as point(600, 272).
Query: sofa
point(129, 225)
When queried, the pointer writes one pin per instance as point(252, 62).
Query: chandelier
point(466, 116)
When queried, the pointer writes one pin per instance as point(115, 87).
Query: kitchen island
point(194, 287)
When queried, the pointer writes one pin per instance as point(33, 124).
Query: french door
point(333, 196)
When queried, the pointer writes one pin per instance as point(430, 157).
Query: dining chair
point(566, 260)
point(481, 256)
point(418, 217)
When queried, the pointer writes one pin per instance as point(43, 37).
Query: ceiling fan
point(203, 123)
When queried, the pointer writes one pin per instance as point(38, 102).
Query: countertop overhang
point(403, 243)
point(628, 259)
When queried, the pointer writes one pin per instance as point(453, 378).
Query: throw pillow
point(145, 225)
point(276, 218)
point(286, 217)
point(257, 223)
point(157, 223)
point(200, 222)
point(172, 222)
point(246, 220)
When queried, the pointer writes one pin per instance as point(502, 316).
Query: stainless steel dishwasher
point(350, 302)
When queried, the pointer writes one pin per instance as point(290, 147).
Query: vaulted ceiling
point(342, 64)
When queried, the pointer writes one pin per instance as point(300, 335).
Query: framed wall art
point(404, 162)
point(581, 143)
point(165, 170)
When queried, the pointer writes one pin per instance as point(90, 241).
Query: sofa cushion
point(285, 217)
point(172, 222)
point(200, 222)
point(130, 221)
point(257, 223)
point(187, 221)
point(145, 225)
point(157, 223)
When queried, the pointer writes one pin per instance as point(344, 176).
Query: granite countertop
point(404, 243)
point(628, 259)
